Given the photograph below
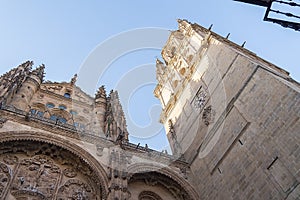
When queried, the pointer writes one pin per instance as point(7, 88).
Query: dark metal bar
point(268, 5)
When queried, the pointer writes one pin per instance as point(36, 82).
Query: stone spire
point(26, 84)
point(116, 127)
point(101, 92)
point(11, 81)
point(101, 117)
point(26, 65)
point(39, 72)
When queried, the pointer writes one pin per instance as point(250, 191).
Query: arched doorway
point(154, 183)
point(34, 169)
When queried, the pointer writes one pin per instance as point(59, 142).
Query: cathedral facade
point(232, 120)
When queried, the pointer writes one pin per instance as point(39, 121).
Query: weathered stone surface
point(249, 147)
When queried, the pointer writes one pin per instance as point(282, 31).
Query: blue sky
point(62, 35)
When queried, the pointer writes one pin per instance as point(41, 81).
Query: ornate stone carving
point(75, 189)
point(208, 115)
point(200, 98)
point(2, 121)
point(172, 130)
point(53, 88)
point(101, 93)
point(109, 120)
point(46, 172)
point(151, 181)
point(4, 178)
point(74, 79)
point(70, 172)
point(148, 195)
point(36, 175)
point(160, 180)
point(39, 72)
point(99, 150)
point(176, 145)
point(10, 159)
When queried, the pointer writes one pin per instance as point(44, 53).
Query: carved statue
point(171, 130)
point(109, 120)
point(74, 79)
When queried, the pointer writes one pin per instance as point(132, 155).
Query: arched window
point(58, 119)
point(67, 95)
point(62, 120)
point(37, 109)
point(53, 117)
point(50, 105)
point(73, 112)
point(33, 111)
point(40, 113)
point(62, 107)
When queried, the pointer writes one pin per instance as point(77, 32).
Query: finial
point(39, 71)
point(101, 92)
point(27, 65)
point(116, 95)
point(210, 27)
point(74, 79)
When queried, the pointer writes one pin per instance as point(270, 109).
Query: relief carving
point(45, 171)
point(10, 159)
point(54, 88)
point(36, 175)
point(75, 189)
point(200, 99)
point(2, 121)
point(99, 150)
point(5, 176)
point(70, 172)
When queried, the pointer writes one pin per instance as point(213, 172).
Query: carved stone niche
point(32, 170)
point(148, 195)
point(149, 180)
point(2, 121)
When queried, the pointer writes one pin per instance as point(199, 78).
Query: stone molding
point(147, 167)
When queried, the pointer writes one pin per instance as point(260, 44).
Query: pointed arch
point(147, 168)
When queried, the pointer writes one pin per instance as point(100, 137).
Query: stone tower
point(57, 142)
point(233, 116)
